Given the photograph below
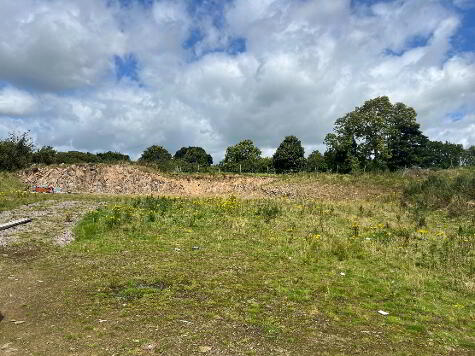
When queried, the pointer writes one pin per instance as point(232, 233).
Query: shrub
point(16, 152)
point(441, 192)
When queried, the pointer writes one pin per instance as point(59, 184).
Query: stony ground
point(135, 180)
point(56, 218)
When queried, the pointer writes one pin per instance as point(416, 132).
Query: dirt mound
point(129, 179)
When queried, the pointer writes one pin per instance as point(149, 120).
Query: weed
point(269, 210)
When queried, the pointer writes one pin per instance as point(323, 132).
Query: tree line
point(377, 136)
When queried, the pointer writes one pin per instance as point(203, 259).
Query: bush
point(441, 192)
point(109, 157)
point(16, 152)
point(45, 155)
point(74, 157)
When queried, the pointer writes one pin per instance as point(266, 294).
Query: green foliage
point(110, 157)
point(75, 157)
point(48, 155)
point(194, 155)
point(376, 136)
point(442, 192)
point(443, 155)
point(244, 157)
point(289, 156)
point(154, 204)
point(16, 152)
point(45, 155)
point(469, 156)
point(155, 154)
point(316, 162)
point(269, 210)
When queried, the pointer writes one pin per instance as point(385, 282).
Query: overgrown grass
point(454, 194)
point(254, 277)
point(13, 192)
point(277, 266)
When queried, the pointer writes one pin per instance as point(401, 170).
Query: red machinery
point(43, 189)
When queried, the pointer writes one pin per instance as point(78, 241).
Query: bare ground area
point(55, 219)
point(129, 179)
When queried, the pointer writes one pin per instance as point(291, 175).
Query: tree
point(316, 162)
point(406, 142)
point(243, 157)
point(155, 154)
point(16, 152)
point(289, 156)
point(194, 155)
point(377, 135)
point(45, 155)
point(469, 156)
point(442, 155)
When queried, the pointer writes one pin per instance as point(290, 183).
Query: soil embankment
point(129, 179)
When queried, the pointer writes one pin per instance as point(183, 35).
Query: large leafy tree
point(377, 135)
point(155, 154)
point(243, 156)
point(405, 140)
point(194, 155)
point(289, 156)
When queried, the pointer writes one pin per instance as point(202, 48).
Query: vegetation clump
point(437, 191)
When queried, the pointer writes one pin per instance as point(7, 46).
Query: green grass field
point(228, 276)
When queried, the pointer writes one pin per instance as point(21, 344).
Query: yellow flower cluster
point(16, 193)
point(228, 204)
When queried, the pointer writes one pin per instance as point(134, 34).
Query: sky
point(122, 75)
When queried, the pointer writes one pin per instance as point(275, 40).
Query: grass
point(279, 276)
point(12, 192)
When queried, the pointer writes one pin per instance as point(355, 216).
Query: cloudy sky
point(98, 75)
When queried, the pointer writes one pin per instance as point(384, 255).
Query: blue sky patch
point(199, 9)
point(129, 3)
point(127, 66)
point(194, 37)
point(464, 41)
point(456, 116)
point(237, 45)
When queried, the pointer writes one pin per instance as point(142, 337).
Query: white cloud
point(306, 64)
point(14, 102)
point(56, 45)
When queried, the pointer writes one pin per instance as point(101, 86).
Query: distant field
point(303, 270)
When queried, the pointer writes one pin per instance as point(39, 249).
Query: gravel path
point(51, 219)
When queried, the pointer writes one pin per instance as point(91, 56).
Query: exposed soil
point(57, 219)
point(130, 179)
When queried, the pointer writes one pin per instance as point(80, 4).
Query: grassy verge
point(13, 192)
point(226, 276)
